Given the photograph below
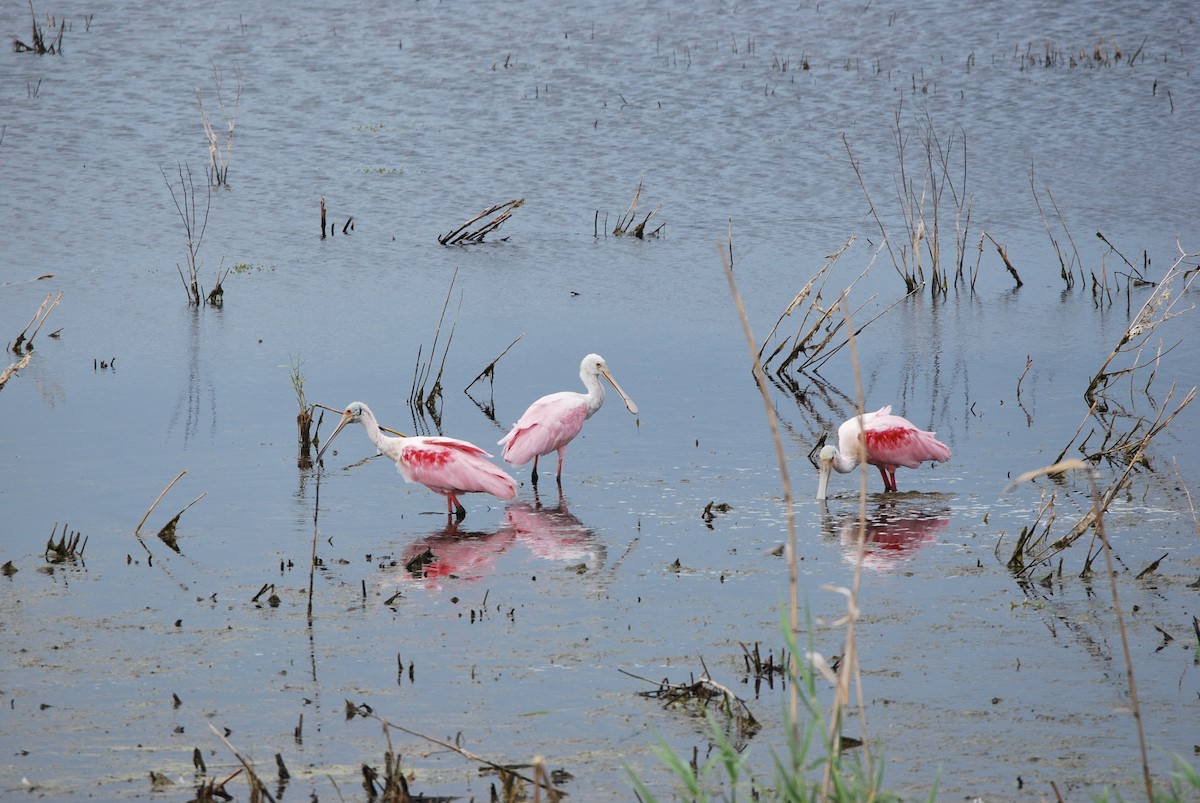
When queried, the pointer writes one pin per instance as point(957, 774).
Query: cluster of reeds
point(40, 42)
point(515, 785)
point(195, 222)
point(347, 227)
point(1120, 434)
point(475, 229)
point(698, 694)
point(68, 548)
point(423, 397)
point(1104, 53)
point(304, 418)
point(627, 225)
point(822, 331)
point(218, 156)
point(922, 190)
point(24, 346)
point(167, 532)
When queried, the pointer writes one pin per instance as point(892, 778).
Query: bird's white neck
point(367, 419)
point(595, 393)
point(844, 463)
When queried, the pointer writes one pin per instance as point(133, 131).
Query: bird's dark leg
point(455, 507)
point(558, 476)
point(533, 479)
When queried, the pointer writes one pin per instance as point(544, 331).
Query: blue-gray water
point(412, 118)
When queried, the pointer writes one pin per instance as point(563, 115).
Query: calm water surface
point(413, 118)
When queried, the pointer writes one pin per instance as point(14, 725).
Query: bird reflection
point(895, 530)
point(455, 553)
point(553, 533)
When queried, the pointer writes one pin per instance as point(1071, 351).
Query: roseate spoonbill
point(447, 466)
point(888, 442)
point(553, 421)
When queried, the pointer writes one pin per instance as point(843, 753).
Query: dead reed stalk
point(363, 710)
point(464, 234)
point(218, 159)
point(816, 338)
point(25, 347)
point(422, 396)
point(627, 224)
point(1099, 505)
point(258, 789)
point(920, 203)
point(725, 252)
point(41, 44)
point(1067, 265)
point(489, 371)
point(195, 221)
point(304, 418)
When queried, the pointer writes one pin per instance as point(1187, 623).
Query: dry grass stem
point(489, 371)
point(258, 790)
point(195, 222)
point(920, 204)
point(1067, 265)
point(42, 44)
point(725, 252)
point(1100, 503)
point(464, 234)
point(1003, 252)
point(364, 710)
point(429, 400)
point(218, 159)
point(627, 225)
point(170, 485)
point(815, 341)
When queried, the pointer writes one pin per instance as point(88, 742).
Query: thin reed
point(220, 152)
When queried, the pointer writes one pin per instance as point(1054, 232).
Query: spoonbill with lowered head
point(886, 441)
point(553, 421)
point(447, 466)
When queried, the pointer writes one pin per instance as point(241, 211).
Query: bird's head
point(353, 414)
point(824, 469)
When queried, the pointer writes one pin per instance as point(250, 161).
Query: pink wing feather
point(549, 424)
point(894, 441)
point(452, 466)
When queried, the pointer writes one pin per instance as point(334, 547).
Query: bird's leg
point(533, 479)
point(889, 483)
point(455, 507)
point(559, 475)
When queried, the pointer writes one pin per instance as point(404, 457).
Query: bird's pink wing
point(450, 465)
point(550, 423)
point(894, 441)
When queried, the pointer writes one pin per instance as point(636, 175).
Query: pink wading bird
point(553, 421)
point(446, 466)
point(888, 442)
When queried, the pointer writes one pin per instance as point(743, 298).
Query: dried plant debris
point(473, 231)
point(628, 224)
point(68, 548)
point(698, 694)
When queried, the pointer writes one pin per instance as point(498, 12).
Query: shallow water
point(411, 120)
